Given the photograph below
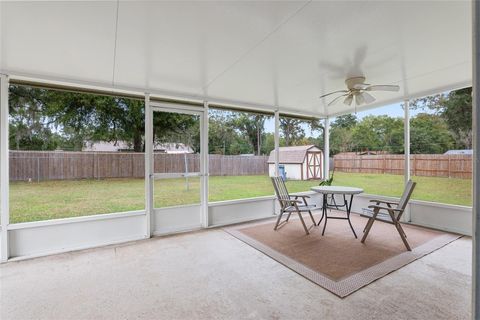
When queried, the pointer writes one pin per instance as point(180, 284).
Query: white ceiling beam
point(155, 93)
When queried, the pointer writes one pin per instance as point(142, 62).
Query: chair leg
point(369, 225)
point(400, 230)
point(402, 235)
point(303, 223)
point(367, 229)
point(311, 217)
point(288, 217)
point(278, 220)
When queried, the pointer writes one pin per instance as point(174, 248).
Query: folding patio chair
point(290, 203)
point(392, 215)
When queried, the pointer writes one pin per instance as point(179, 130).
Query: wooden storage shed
point(299, 162)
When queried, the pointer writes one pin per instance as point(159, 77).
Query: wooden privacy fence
point(60, 165)
point(430, 165)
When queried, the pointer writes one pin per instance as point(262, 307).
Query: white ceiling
point(282, 54)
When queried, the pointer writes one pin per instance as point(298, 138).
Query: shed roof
point(294, 154)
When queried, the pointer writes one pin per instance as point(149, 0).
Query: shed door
point(314, 165)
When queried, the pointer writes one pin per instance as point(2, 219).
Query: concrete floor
point(211, 275)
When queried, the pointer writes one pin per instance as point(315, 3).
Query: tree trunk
point(137, 141)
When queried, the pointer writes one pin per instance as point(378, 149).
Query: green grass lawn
point(61, 199)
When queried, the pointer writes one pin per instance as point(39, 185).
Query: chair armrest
point(299, 196)
point(291, 201)
point(382, 201)
point(385, 208)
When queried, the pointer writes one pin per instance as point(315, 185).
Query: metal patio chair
point(291, 203)
point(394, 212)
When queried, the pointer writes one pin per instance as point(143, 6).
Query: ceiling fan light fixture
point(359, 99)
point(358, 90)
point(348, 100)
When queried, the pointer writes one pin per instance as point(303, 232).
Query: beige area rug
point(337, 261)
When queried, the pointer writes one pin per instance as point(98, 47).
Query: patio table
point(333, 190)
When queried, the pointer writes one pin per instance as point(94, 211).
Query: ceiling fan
point(358, 90)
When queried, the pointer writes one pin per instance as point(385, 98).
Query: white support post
point(4, 174)
point(326, 149)
point(476, 159)
point(277, 143)
point(406, 143)
point(406, 130)
point(148, 167)
point(205, 168)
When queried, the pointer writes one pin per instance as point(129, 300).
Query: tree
point(81, 117)
point(268, 143)
point(379, 133)
point(252, 127)
point(430, 134)
point(42, 119)
point(347, 121)
point(222, 136)
point(292, 130)
point(341, 134)
point(29, 127)
point(129, 119)
point(341, 140)
point(455, 108)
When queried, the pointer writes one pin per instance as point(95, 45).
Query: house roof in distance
point(465, 151)
point(295, 154)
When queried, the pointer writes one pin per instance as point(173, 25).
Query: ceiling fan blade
point(367, 97)
point(359, 99)
point(361, 86)
point(339, 91)
point(348, 100)
point(382, 87)
point(337, 99)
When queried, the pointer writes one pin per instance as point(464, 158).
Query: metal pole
point(4, 174)
point(326, 149)
point(204, 163)
point(277, 142)
point(476, 158)
point(148, 167)
point(186, 171)
point(406, 144)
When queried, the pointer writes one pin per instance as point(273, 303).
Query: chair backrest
point(280, 190)
point(402, 204)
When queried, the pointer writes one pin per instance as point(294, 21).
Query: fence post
point(449, 169)
point(98, 167)
point(384, 163)
point(95, 165)
point(132, 174)
point(414, 164)
point(38, 169)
